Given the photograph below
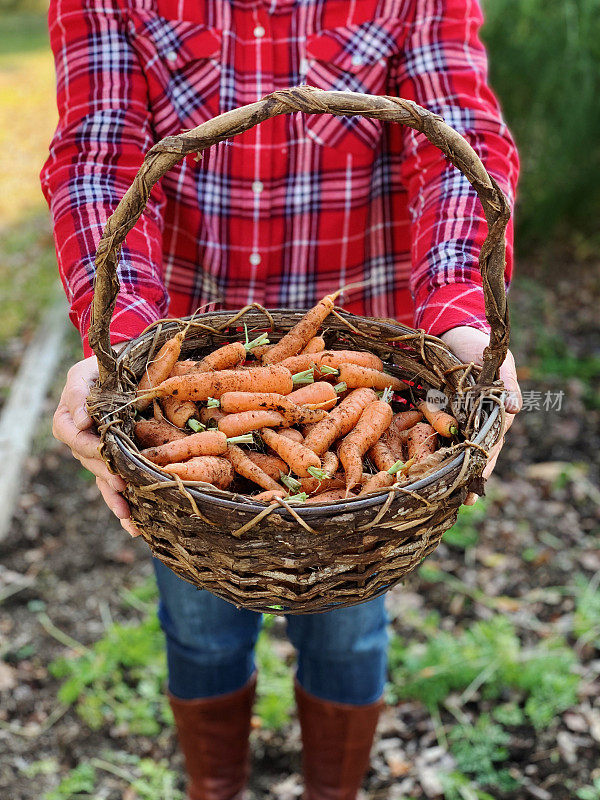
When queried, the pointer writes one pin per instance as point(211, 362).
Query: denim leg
point(342, 654)
point(210, 642)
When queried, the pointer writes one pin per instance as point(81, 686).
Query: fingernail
point(129, 527)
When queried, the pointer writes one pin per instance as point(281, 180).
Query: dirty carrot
point(209, 469)
point(159, 368)
point(382, 479)
point(301, 334)
point(152, 433)
point(315, 345)
point(340, 421)
point(234, 402)
point(312, 485)
point(178, 411)
point(205, 443)
point(332, 359)
point(330, 462)
point(299, 457)
point(374, 420)
point(329, 496)
point(355, 376)
point(210, 416)
point(381, 453)
point(246, 421)
point(267, 497)
point(291, 433)
point(316, 395)
point(248, 469)
point(274, 466)
point(421, 441)
point(443, 423)
point(199, 386)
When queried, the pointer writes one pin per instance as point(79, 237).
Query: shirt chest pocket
point(355, 58)
point(182, 64)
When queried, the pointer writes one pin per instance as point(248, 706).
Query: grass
point(27, 120)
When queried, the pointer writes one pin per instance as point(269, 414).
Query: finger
point(489, 468)
point(508, 375)
point(117, 504)
point(128, 525)
point(80, 380)
point(101, 471)
point(471, 499)
point(83, 442)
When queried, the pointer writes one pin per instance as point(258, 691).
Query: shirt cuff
point(452, 306)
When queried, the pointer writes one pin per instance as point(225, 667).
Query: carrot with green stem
point(269, 496)
point(355, 376)
point(296, 455)
point(322, 484)
point(381, 453)
point(340, 421)
point(330, 360)
point(374, 420)
point(248, 469)
point(315, 395)
point(178, 411)
point(199, 386)
point(443, 423)
point(300, 335)
point(235, 402)
point(196, 426)
point(152, 432)
point(229, 355)
point(383, 479)
point(206, 443)
point(210, 416)
point(330, 496)
point(208, 469)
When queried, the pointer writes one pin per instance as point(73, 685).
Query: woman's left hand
point(468, 345)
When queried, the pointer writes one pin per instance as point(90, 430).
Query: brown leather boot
point(337, 740)
point(213, 734)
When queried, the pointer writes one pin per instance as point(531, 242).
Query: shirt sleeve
point(444, 69)
point(103, 131)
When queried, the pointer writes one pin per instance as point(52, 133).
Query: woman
point(281, 215)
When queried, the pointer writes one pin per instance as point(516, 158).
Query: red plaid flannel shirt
point(299, 205)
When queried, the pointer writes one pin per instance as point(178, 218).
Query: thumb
point(508, 375)
point(80, 380)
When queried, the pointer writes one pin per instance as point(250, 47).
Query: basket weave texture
point(281, 558)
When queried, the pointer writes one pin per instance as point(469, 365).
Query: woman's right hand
point(72, 425)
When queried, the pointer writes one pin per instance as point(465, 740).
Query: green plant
point(458, 787)
point(589, 792)
point(464, 533)
point(275, 690)
point(490, 654)
point(80, 782)
point(479, 748)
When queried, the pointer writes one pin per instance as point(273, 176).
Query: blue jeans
point(342, 654)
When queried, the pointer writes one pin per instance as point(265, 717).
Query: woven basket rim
point(314, 511)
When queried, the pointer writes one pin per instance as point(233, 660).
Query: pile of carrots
point(291, 420)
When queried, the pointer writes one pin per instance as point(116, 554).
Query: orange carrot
point(205, 443)
point(274, 466)
point(330, 462)
point(267, 497)
point(316, 395)
point(327, 497)
point(404, 420)
point(151, 433)
point(246, 421)
point(233, 402)
point(315, 345)
point(374, 420)
point(427, 464)
point(159, 368)
point(332, 359)
point(355, 376)
point(200, 386)
point(299, 457)
point(339, 422)
point(312, 485)
point(291, 433)
point(182, 368)
point(178, 411)
point(385, 478)
point(248, 469)
point(443, 423)
point(211, 416)
point(381, 453)
point(301, 334)
point(422, 440)
point(209, 469)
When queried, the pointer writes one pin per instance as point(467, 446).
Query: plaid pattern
point(298, 206)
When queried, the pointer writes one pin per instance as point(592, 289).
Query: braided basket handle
point(166, 153)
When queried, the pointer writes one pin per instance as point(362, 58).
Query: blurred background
point(494, 675)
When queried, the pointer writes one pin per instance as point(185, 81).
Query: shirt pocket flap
point(353, 47)
point(179, 42)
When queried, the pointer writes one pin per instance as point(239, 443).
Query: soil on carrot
point(514, 587)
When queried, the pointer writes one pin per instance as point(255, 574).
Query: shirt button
point(172, 55)
point(257, 187)
point(259, 31)
point(357, 61)
point(255, 259)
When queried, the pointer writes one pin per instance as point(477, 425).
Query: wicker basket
point(279, 558)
